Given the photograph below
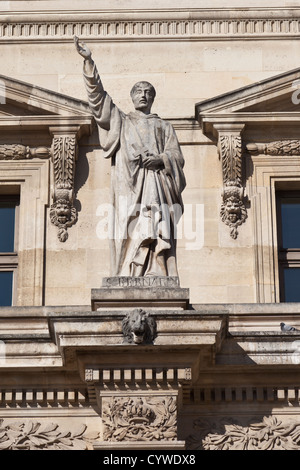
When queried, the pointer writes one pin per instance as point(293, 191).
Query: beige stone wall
point(185, 69)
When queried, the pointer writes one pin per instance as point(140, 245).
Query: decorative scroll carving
point(280, 147)
point(139, 327)
point(22, 152)
point(233, 211)
point(62, 212)
point(33, 435)
point(269, 434)
point(140, 419)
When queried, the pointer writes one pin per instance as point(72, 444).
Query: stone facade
point(192, 363)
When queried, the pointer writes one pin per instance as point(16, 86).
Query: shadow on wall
point(86, 145)
point(81, 173)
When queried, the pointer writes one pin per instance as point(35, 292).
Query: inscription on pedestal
point(153, 281)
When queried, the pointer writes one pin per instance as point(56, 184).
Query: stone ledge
point(140, 445)
point(142, 297)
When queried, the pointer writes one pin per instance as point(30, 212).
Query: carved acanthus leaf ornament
point(62, 212)
point(233, 211)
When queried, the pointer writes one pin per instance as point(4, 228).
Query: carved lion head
point(139, 327)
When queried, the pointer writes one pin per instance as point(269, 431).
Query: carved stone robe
point(146, 202)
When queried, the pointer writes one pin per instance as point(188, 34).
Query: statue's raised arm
point(92, 80)
point(82, 49)
point(86, 53)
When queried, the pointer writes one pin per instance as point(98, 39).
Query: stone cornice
point(209, 120)
point(229, 338)
point(157, 13)
point(154, 25)
point(81, 123)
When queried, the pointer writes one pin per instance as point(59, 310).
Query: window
point(8, 248)
point(288, 216)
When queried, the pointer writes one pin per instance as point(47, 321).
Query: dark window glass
point(291, 284)
point(288, 217)
point(7, 227)
point(6, 283)
point(290, 222)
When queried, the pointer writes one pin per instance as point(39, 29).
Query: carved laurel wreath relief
point(22, 152)
point(280, 147)
point(140, 419)
point(33, 435)
point(269, 434)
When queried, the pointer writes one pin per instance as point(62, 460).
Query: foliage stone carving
point(279, 147)
point(32, 435)
point(22, 152)
point(233, 211)
point(269, 434)
point(140, 419)
point(62, 212)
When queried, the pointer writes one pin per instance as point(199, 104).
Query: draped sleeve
point(173, 163)
point(107, 115)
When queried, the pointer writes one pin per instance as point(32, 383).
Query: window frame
point(267, 175)
point(287, 257)
point(9, 261)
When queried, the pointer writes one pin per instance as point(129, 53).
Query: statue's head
point(142, 95)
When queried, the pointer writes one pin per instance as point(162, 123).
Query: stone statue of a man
point(147, 177)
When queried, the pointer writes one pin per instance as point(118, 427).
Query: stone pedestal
point(146, 292)
point(138, 399)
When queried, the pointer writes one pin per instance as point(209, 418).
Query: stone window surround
point(266, 171)
point(270, 174)
point(32, 179)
